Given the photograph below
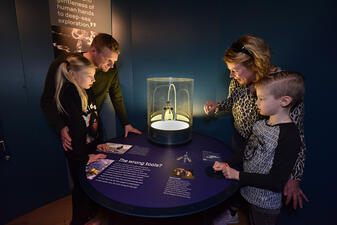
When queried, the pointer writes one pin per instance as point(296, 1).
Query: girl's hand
point(218, 166)
point(103, 147)
point(230, 173)
point(95, 157)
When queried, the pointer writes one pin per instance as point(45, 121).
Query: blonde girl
point(76, 105)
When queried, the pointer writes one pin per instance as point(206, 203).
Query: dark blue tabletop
point(151, 180)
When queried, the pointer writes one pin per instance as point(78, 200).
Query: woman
point(248, 60)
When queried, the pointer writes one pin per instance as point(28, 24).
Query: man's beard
point(104, 68)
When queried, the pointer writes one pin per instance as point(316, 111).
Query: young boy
point(272, 149)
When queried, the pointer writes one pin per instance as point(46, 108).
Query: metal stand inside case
point(170, 110)
point(170, 137)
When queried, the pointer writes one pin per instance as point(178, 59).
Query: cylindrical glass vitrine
point(169, 110)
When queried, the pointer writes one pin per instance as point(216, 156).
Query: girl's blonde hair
point(252, 52)
point(76, 63)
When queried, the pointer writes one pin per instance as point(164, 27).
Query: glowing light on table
point(170, 125)
point(179, 117)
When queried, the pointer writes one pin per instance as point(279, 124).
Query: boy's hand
point(230, 173)
point(95, 157)
point(103, 147)
point(218, 166)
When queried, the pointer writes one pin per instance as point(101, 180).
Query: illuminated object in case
point(169, 110)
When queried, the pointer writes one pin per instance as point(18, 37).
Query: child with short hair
point(76, 105)
point(272, 149)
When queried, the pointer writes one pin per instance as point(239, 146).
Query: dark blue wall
point(174, 38)
point(35, 175)
point(188, 38)
point(177, 38)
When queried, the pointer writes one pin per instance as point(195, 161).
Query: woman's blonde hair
point(252, 52)
point(76, 63)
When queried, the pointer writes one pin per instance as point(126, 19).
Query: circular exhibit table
point(144, 179)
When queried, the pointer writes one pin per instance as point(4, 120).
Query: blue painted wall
point(175, 38)
point(36, 173)
point(189, 38)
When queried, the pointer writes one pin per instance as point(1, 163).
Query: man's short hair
point(103, 40)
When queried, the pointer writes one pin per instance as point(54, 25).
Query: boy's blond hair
point(284, 83)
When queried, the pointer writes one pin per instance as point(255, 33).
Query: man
point(103, 53)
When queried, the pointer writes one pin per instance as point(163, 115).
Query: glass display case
point(170, 110)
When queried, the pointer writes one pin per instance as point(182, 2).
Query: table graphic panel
point(161, 181)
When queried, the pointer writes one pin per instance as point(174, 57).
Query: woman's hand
point(95, 157)
point(210, 106)
point(103, 147)
point(230, 173)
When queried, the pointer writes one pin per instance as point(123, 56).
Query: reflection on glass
point(169, 102)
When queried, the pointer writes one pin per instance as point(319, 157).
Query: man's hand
point(65, 138)
point(129, 128)
point(293, 192)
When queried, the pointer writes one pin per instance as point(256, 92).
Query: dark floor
point(59, 213)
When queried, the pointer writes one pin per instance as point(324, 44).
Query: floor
point(59, 213)
point(55, 213)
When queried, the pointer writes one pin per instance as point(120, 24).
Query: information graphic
point(139, 150)
point(154, 180)
point(210, 156)
point(97, 167)
point(178, 187)
point(91, 15)
point(74, 23)
point(116, 148)
point(125, 175)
